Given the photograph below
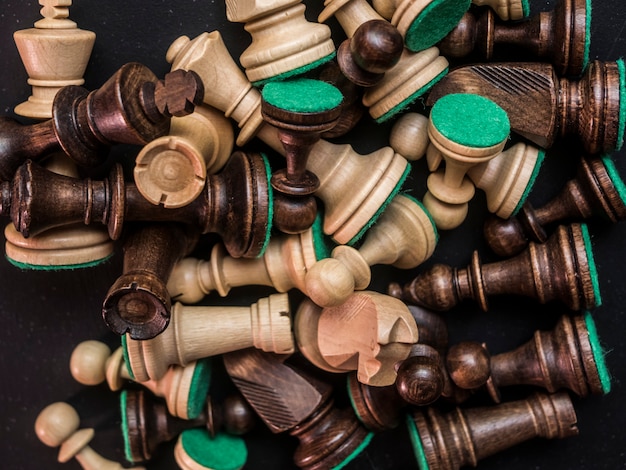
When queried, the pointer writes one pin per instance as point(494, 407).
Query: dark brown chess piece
point(138, 301)
point(561, 269)
point(146, 423)
point(465, 436)
point(301, 110)
point(132, 107)
point(374, 48)
point(290, 400)
point(235, 203)
point(560, 36)
point(542, 107)
point(597, 190)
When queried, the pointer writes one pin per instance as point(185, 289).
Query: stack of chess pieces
point(331, 362)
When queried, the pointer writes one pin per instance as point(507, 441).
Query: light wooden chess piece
point(198, 332)
point(57, 425)
point(284, 43)
point(172, 169)
point(507, 9)
point(55, 53)
point(369, 333)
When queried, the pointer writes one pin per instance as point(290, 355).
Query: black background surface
point(43, 315)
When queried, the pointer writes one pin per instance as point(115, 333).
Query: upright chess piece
point(507, 9)
point(560, 36)
point(369, 333)
point(561, 269)
point(57, 425)
point(55, 54)
point(198, 332)
point(465, 436)
point(543, 107)
point(597, 190)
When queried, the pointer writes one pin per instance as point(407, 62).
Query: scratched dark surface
point(45, 314)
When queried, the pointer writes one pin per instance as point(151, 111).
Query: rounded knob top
point(56, 423)
point(468, 365)
point(88, 362)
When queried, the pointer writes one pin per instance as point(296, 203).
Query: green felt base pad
point(222, 452)
point(434, 23)
point(297, 71)
point(598, 354)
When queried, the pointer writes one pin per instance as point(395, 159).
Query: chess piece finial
point(562, 269)
point(507, 9)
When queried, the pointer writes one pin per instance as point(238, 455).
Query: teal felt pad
point(126, 358)
point(526, 8)
point(617, 181)
point(587, 34)
point(470, 120)
point(222, 452)
point(598, 354)
point(302, 95)
point(430, 217)
point(295, 72)
point(124, 425)
point(355, 452)
point(407, 101)
point(270, 210)
point(531, 181)
point(382, 208)
point(61, 267)
point(418, 449)
point(622, 104)
point(199, 388)
point(434, 23)
point(322, 244)
point(593, 272)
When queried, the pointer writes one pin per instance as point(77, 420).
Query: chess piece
point(465, 436)
point(184, 388)
point(507, 9)
point(138, 302)
point(561, 269)
point(57, 425)
point(464, 130)
point(284, 43)
point(368, 333)
point(38, 200)
point(301, 109)
point(171, 170)
point(543, 107)
point(413, 75)
point(55, 54)
point(197, 450)
point(146, 423)
point(299, 404)
point(597, 190)
point(132, 107)
point(560, 36)
point(198, 332)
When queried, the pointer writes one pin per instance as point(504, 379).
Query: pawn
point(588, 108)
point(507, 9)
point(560, 37)
point(597, 190)
point(57, 425)
point(301, 109)
point(369, 333)
point(561, 269)
point(55, 54)
point(375, 47)
point(184, 388)
point(199, 332)
point(465, 436)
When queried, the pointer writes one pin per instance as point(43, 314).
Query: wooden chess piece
point(301, 109)
point(465, 436)
point(454, 137)
point(413, 75)
point(184, 388)
point(369, 333)
point(38, 200)
point(287, 399)
point(560, 36)
point(55, 54)
point(132, 107)
point(284, 43)
point(507, 9)
point(409, 136)
point(597, 190)
point(561, 269)
point(138, 302)
point(375, 47)
point(543, 107)
point(198, 332)
point(171, 170)
point(196, 449)
point(57, 425)
point(146, 423)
